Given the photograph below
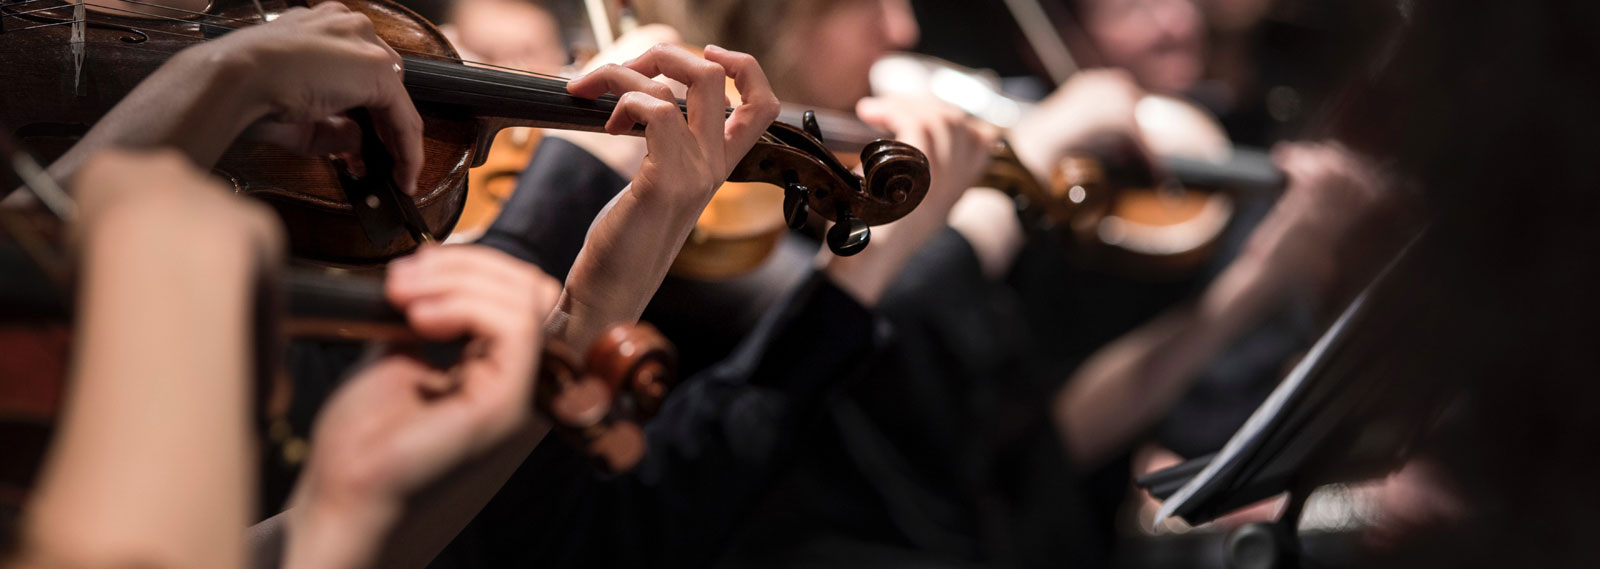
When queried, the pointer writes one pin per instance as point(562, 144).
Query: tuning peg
point(808, 121)
point(849, 235)
point(795, 197)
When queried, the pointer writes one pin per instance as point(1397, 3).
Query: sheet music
point(1252, 434)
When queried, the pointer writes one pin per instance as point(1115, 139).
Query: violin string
point(124, 27)
point(139, 29)
point(203, 15)
point(191, 12)
point(35, 10)
point(556, 85)
point(558, 81)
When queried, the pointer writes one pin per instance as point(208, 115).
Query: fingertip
point(429, 320)
point(398, 279)
point(619, 125)
point(869, 106)
point(581, 87)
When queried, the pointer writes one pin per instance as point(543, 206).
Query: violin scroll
point(601, 405)
point(895, 181)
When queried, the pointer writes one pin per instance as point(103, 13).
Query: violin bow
point(38, 246)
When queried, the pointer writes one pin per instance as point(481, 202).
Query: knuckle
point(707, 71)
point(361, 22)
point(661, 48)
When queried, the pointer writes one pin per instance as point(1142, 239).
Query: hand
point(1092, 109)
point(686, 160)
point(958, 149)
point(623, 154)
point(283, 81)
point(399, 427)
point(633, 242)
point(309, 65)
point(1334, 197)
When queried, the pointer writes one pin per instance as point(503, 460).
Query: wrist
point(232, 80)
point(321, 533)
point(678, 208)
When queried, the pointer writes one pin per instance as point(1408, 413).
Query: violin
point(340, 217)
point(1121, 212)
point(597, 401)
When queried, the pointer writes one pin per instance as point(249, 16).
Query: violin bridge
point(79, 22)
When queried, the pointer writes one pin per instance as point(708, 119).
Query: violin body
point(305, 191)
point(1118, 216)
point(598, 402)
point(120, 50)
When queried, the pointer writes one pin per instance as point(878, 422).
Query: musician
point(726, 433)
point(153, 462)
point(962, 339)
point(519, 34)
point(635, 238)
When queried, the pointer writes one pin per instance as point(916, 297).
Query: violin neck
point(510, 99)
point(841, 132)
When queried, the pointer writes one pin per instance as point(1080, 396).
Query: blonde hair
point(760, 28)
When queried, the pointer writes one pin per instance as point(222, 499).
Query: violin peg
point(617, 448)
point(849, 235)
point(795, 197)
point(636, 362)
point(808, 122)
point(582, 404)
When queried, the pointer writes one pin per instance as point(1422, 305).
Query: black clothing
point(713, 451)
point(714, 448)
point(559, 194)
point(946, 456)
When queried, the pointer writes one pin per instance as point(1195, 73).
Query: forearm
point(622, 263)
point(199, 102)
point(165, 481)
point(1130, 384)
point(322, 534)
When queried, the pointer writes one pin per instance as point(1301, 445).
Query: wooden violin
point(1124, 213)
point(1097, 197)
point(598, 402)
point(335, 216)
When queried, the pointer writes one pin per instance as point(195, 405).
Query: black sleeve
point(557, 197)
point(714, 448)
point(723, 437)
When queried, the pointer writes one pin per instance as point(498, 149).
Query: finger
point(399, 125)
point(633, 43)
point(408, 370)
point(434, 269)
point(707, 82)
point(758, 106)
point(453, 316)
point(418, 288)
point(883, 114)
point(663, 122)
point(613, 78)
point(331, 7)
